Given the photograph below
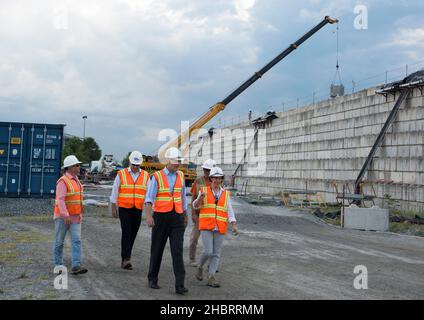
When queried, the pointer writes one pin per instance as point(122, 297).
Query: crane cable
point(337, 61)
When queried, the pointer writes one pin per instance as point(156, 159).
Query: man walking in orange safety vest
point(128, 193)
point(68, 211)
point(166, 196)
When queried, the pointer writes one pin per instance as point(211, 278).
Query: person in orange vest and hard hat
point(216, 212)
point(127, 199)
point(200, 182)
point(166, 197)
point(68, 210)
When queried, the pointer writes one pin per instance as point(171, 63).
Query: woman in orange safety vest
point(216, 212)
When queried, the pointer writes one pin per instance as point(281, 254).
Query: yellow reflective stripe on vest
point(68, 202)
point(221, 218)
point(164, 198)
point(69, 183)
point(124, 177)
point(73, 193)
point(72, 201)
point(207, 215)
point(132, 186)
point(161, 183)
point(125, 195)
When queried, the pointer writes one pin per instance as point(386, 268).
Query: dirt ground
point(280, 254)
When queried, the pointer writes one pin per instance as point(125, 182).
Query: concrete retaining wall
point(325, 144)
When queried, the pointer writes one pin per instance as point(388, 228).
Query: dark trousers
point(167, 225)
point(130, 223)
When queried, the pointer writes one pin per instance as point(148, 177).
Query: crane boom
point(218, 107)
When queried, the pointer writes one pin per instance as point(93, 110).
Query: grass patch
point(43, 277)
point(8, 252)
point(10, 240)
point(33, 218)
point(50, 296)
point(23, 237)
point(407, 228)
point(406, 214)
point(23, 275)
point(335, 222)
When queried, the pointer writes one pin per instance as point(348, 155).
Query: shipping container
point(30, 159)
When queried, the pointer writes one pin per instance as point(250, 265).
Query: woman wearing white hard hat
point(68, 212)
point(216, 212)
point(200, 182)
point(127, 199)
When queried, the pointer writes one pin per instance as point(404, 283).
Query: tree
point(126, 160)
point(85, 150)
point(91, 150)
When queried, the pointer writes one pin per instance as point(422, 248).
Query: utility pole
point(83, 133)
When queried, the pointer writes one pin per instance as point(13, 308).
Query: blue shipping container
point(30, 159)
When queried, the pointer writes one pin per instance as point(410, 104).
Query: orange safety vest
point(132, 194)
point(164, 201)
point(73, 198)
point(214, 214)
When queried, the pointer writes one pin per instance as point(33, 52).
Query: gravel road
point(280, 254)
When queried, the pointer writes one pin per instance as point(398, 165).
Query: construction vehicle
point(103, 169)
point(156, 163)
point(152, 164)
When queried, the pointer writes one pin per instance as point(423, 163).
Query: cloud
point(138, 66)
point(407, 37)
point(125, 62)
point(407, 41)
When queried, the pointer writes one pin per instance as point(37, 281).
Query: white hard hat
point(216, 172)
point(209, 164)
point(173, 155)
point(136, 158)
point(70, 161)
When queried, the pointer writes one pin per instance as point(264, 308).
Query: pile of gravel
point(25, 206)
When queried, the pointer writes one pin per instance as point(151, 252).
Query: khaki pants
point(194, 238)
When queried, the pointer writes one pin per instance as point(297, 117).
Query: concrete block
point(375, 218)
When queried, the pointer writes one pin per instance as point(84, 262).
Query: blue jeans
point(60, 229)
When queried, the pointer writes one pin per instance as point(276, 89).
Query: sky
point(136, 67)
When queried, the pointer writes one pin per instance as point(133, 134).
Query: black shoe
point(181, 290)
point(78, 270)
point(153, 285)
point(126, 264)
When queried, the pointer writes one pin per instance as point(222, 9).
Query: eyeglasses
point(135, 165)
point(77, 166)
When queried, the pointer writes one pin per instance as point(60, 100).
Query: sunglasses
point(76, 166)
point(136, 165)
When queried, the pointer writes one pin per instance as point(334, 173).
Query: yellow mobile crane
point(152, 163)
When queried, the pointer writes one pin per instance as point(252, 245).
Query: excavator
point(154, 163)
